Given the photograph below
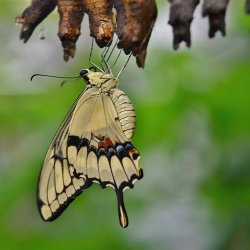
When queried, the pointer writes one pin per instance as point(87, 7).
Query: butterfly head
point(99, 79)
point(84, 74)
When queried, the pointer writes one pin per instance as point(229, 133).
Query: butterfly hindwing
point(90, 146)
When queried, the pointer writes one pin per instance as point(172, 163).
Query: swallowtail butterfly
point(91, 145)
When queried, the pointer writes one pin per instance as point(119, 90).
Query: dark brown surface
point(71, 15)
point(131, 20)
point(120, 16)
point(33, 15)
point(248, 6)
point(134, 26)
point(101, 20)
point(216, 11)
point(180, 18)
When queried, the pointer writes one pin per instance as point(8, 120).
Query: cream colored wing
point(55, 192)
point(92, 147)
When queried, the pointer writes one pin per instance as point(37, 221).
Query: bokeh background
point(193, 134)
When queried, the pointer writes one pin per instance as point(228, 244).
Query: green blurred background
point(193, 133)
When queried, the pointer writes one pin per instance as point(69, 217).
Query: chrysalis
point(91, 145)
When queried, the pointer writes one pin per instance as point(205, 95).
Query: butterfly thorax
point(104, 82)
point(124, 113)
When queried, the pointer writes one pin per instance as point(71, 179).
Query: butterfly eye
point(83, 72)
point(84, 75)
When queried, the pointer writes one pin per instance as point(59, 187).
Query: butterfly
point(93, 144)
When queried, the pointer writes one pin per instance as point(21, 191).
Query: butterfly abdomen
point(125, 111)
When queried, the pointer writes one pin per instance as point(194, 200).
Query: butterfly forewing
point(92, 145)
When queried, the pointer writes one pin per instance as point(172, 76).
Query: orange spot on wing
point(105, 143)
point(133, 151)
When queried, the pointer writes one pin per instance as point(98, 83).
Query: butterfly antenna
point(124, 66)
point(70, 77)
point(90, 55)
point(73, 80)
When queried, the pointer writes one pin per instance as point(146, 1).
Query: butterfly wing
point(90, 146)
point(55, 190)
